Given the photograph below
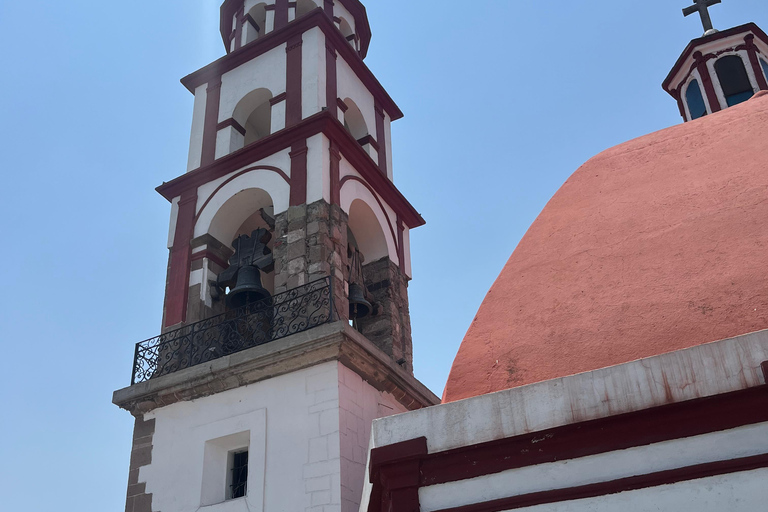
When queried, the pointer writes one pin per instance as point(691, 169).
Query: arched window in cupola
point(695, 100)
point(348, 32)
point(255, 24)
point(764, 64)
point(734, 80)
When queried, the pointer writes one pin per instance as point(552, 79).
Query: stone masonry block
point(296, 236)
point(322, 483)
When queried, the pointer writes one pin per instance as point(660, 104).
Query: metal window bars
point(254, 324)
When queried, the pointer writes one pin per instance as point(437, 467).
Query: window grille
point(239, 475)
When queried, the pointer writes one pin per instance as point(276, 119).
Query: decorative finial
point(702, 7)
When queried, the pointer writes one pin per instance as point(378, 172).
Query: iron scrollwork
point(254, 324)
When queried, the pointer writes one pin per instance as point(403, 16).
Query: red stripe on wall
point(178, 272)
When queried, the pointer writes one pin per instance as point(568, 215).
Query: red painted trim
point(764, 366)
point(239, 28)
point(634, 483)
point(210, 131)
point(298, 156)
point(381, 136)
point(331, 78)
point(395, 469)
point(335, 173)
point(355, 8)
point(368, 139)
point(235, 176)
point(706, 78)
point(178, 271)
point(381, 205)
point(281, 14)
point(253, 23)
point(211, 256)
point(279, 37)
point(293, 91)
point(641, 428)
point(234, 124)
point(689, 50)
point(343, 106)
point(322, 122)
point(754, 60)
point(277, 99)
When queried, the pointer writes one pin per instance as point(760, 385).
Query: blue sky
point(503, 101)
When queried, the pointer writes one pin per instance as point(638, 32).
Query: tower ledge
point(333, 342)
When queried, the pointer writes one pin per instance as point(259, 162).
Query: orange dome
point(655, 245)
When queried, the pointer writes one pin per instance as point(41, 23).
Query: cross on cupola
point(702, 7)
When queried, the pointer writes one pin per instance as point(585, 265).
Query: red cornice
point(355, 8)
point(275, 38)
point(322, 122)
point(642, 428)
point(693, 45)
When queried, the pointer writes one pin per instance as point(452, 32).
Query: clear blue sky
point(503, 101)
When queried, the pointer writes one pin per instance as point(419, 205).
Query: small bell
point(248, 288)
point(358, 306)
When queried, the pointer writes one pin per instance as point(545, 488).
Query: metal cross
point(702, 7)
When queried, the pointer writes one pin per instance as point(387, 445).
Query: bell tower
point(286, 328)
point(719, 69)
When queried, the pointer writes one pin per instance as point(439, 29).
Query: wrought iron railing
point(254, 324)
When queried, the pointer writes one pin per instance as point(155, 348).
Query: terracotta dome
point(655, 245)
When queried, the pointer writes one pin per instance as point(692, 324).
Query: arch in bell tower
point(305, 7)
point(354, 121)
point(256, 25)
point(254, 114)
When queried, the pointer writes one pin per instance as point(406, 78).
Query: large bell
point(358, 306)
point(248, 288)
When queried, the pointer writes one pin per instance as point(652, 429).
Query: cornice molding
point(322, 122)
point(276, 38)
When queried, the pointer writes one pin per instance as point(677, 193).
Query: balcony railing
point(255, 324)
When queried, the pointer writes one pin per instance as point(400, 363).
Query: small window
point(734, 79)
point(764, 64)
point(695, 101)
point(238, 474)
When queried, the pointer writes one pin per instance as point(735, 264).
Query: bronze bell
point(248, 288)
point(358, 306)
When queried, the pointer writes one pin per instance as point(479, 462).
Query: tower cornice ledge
point(274, 39)
point(322, 122)
point(333, 342)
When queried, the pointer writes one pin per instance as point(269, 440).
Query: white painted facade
point(306, 433)
point(703, 371)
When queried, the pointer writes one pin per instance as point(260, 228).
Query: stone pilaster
point(209, 258)
point(390, 327)
point(137, 500)
point(311, 244)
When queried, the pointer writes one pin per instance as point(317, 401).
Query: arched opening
point(764, 65)
point(347, 32)
point(695, 100)
point(734, 79)
point(254, 113)
point(354, 121)
point(305, 7)
point(367, 257)
point(255, 22)
point(242, 214)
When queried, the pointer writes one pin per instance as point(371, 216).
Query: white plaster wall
point(198, 122)
point(292, 420)
point(352, 190)
point(228, 140)
point(359, 404)
point(318, 169)
point(388, 148)
point(203, 277)
point(407, 252)
point(737, 443)
point(737, 492)
point(174, 220)
point(350, 86)
point(265, 71)
point(313, 78)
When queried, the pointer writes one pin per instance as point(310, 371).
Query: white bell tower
point(286, 328)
